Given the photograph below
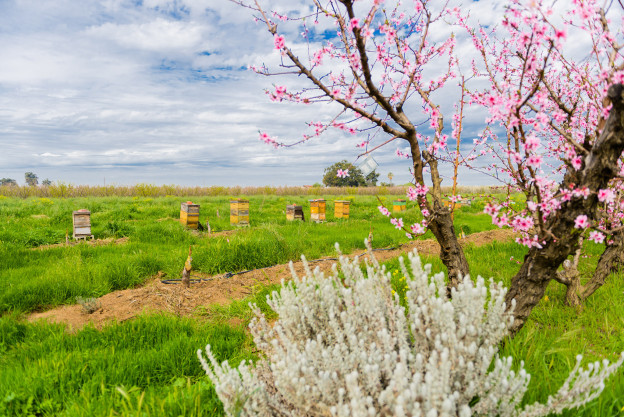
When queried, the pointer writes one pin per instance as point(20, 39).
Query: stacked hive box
point(189, 215)
point(294, 212)
point(239, 212)
point(399, 205)
point(341, 209)
point(317, 210)
point(452, 206)
point(82, 224)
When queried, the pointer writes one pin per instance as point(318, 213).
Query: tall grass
point(64, 190)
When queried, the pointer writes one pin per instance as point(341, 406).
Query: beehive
point(294, 212)
point(399, 205)
point(452, 206)
point(82, 224)
point(239, 212)
point(317, 210)
point(341, 209)
point(189, 215)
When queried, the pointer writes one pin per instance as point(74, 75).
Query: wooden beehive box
point(452, 206)
point(239, 212)
point(189, 215)
point(317, 210)
point(294, 212)
point(82, 224)
point(341, 209)
point(399, 205)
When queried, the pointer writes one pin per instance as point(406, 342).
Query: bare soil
point(158, 296)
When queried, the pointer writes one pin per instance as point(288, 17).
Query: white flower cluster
point(344, 346)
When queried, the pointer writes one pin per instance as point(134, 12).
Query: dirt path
point(158, 296)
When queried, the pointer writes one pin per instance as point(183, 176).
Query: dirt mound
point(156, 295)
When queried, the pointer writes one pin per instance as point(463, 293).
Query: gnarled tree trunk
point(600, 166)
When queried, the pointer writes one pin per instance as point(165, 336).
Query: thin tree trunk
point(440, 220)
point(600, 166)
point(611, 259)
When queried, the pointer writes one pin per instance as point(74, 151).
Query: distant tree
point(390, 176)
point(31, 178)
point(371, 178)
point(46, 182)
point(7, 181)
point(353, 177)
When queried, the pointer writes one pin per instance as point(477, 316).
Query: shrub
point(347, 347)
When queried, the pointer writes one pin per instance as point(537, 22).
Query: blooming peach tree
point(561, 143)
point(383, 68)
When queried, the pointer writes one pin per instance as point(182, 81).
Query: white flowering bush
point(345, 346)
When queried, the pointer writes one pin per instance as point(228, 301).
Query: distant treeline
point(62, 190)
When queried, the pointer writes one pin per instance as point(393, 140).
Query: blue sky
point(156, 91)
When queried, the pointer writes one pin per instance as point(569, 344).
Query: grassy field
point(148, 367)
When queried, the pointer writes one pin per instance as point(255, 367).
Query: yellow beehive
point(189, 215)
point(399, 205)
point(317, 210)
point(341, 209)
point(452, 206)
point(294, 212)
point(239, 212)
point(82, 224)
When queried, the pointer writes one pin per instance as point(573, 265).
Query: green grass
point(33, 279)
point(148, 366)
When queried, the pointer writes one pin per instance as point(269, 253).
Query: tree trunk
point(440, 220)
point(451, 252)
point(611, 259)
point(600, 166)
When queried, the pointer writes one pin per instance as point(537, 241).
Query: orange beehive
point(317, 210)
point(341, 209)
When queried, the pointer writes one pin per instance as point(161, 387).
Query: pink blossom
point(534, 161)
point(398, 223)
point(414, 192)
point(280, 91)
point(581, 222)
point(606, 195)
point(596, 236)
point(383, 211)
point(522, 223)
point(355, 23)
point(417, 229)
point(264, 137)
point(532, 143)
point(576, 162)
point(491, 209)
point(278, 40)
point(342, 173)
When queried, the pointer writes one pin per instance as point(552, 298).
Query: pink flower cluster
point(264, 137)
point(414, 192)
point(342, 173)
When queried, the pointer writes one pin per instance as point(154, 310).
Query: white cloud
point(154, 91)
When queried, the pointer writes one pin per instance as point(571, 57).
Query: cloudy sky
point(157, 91)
